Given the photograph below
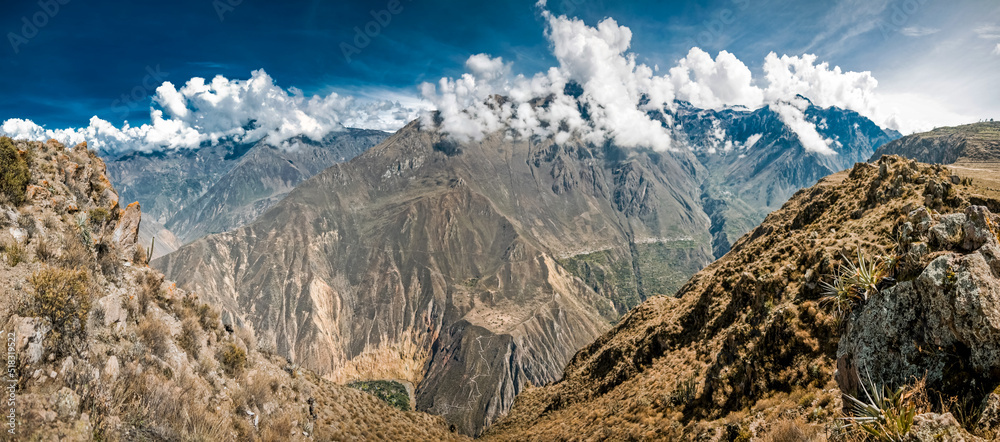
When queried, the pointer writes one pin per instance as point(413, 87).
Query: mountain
point(972, 143)
point(749, 349)
point(475, 269)
point(189, 193)
point(756, 162)
point(100, 347)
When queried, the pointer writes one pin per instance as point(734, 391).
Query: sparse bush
point(14, 251)
point(14, 172)
point(155, 334)
point(98, 217)
point(108, 261)
point(684, 392)
point(189, 338)
point(76, 254)
point(63, 298)
point(233, 359)
point(208, 318)
point(44, 251)
point(27, 223)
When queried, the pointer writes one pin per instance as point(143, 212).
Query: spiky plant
point(840, 294)
point(866, 274)
point(883, 413)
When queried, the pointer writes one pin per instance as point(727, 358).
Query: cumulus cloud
point(241, 110)
point(600, 92)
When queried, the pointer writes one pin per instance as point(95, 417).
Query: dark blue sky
point(88, 55)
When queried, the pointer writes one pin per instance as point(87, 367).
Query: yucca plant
point(884, 414)
point(855, 282)
point(866, 274)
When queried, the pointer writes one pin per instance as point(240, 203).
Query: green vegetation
point(63, 298)
point(14, 251)
point(14, 173)
point(883, 413)
point(99, 217)
point(393, 393)
point(610, 276)
point(856, 281)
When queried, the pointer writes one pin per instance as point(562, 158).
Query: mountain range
point(189, 193)
point(473, 270)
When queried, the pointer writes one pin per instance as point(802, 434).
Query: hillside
point(100, 347)
point(972, 151)
point(749, 348)
point(187, 194)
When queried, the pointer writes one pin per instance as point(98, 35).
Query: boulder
point(126, 233)
point(944, 323)
point(933, 427)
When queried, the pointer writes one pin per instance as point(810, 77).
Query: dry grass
point(794, 431)
point(156, 335)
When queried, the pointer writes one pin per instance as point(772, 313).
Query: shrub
point(98, 217)
point(44, 251)
point(189, 337)
point(233, 359)
point(15, 252)
point(208, 318)
point(76, 254)
point(14, 172)
point(62, 297)
point(155, 333)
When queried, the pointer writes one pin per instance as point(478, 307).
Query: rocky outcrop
point(126, 232)
point(942, 321)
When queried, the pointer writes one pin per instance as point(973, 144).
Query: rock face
point(942, 322)
point(126, 232)
point(192, 193)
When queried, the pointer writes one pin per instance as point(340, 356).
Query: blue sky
point(936, 59)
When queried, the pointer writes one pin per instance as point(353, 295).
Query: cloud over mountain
point(600, 92)
point(243, 110)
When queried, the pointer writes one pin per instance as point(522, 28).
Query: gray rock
point(933, 427)
point(913, 328)
point(67, 403)
point(948, 232)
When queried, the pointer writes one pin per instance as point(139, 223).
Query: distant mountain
point(195, 192)
point(476, 269)
point(978, 142)
point(755, 162)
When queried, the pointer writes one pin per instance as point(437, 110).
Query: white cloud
point(988, 32)
point(917, 31)
point(242, 110)
point(625, 101)
point(996, 50)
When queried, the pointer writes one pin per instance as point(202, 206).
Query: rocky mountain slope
point(752, 346)
point(978, 143)
point(187, 194)
point(101, 348)
point(485, 264)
